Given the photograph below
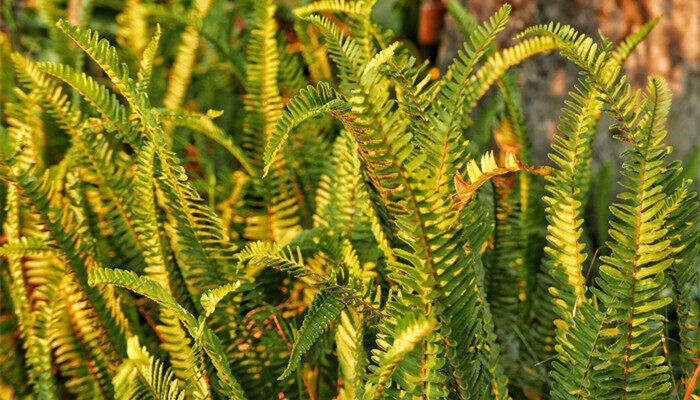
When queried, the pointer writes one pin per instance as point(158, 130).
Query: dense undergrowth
point(235, 200)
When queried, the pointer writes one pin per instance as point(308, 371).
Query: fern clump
point(243, 201)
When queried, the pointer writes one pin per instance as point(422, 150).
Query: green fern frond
point(143, 376)
point(410, 331)
point(212, 297)
point(632, 278)
point(99, 96)
point(80, 349)
point(350, 8)
point(143, 82)
point(630, 42)
point(143, 286)
point(25, 246)
point(181, 71)
point(309, 103)
point(210, 342)
point(104, 55)
point(324, 310)
point(352, 359)
point(263, 101)
point(39, 355)
point(579, 323)
point(341, 198)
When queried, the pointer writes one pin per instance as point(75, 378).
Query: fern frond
point(632, 278)
point(628, 45)
point(679, 213)
point(448, 112)
point(142, 286)
point(309, 103)
point(104, 55)
point(579, 322)
point(143, 376)
point(210, 342)
point(25, 246)
point(212, 297)
point(99, 96)
point(181, 70)
point(80, 349)
point(263, 101)
point(204, 125)
point(39, 355)
point(350, 8)
point(351, 354)
point(341, 201)
point(599, 68)
point(465, 315)
point(143, 82)
point(324, 310)
point(410, 331)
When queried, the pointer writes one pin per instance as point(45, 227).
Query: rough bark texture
point(671, 51)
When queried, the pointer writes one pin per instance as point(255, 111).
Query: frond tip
point(310, 102)
point(212, 297)
point(489, 169)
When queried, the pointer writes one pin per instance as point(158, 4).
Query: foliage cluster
point(327, 216)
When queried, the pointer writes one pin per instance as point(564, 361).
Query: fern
point(301, 206)
point(156, 382)
point(323, 311)
point(182, 68)
point(633, 301)
point(210, 343)
point(307, 104)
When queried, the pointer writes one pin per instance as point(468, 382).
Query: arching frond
point(351, 8)
point(210, 342)
point(324, 310)
point(309, 103)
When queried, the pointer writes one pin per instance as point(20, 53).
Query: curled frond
point(488, 168)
